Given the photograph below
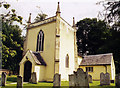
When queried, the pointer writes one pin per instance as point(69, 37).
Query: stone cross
point(57, 80)
point(3, 79)
point(19, 82)
point(104, 79)
point(117, 80)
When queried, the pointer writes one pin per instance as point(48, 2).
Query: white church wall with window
point(40, 41)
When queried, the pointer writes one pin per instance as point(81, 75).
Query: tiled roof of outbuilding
point(101, 59)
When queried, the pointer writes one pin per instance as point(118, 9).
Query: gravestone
point(107, 79)
point(34, 78)
point(104, 79)
point(72, 80)
point(3, 79)
point(19, 82)
point(89, 78)
point(117, 80)
point(82, 78)
point(57, 80)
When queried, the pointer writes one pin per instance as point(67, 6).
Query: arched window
point(67, 61)
point(40, 41)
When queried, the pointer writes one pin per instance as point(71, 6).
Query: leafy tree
point(40, 17)
point(91, 35)
point(111, 15)
point(12, 42)
point(111, 12)
point(111, 45)
point(10, 16)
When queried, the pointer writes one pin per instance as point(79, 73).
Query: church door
point(27, 71)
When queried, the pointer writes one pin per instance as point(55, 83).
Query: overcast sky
point(79, 9)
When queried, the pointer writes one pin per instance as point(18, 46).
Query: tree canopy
point(91, 34)
point(12, 41)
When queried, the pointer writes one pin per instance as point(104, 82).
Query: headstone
point(107, 79)
point(117, 80)
point(34, 78)
point(72, 80)
point(89, 78)
point(19, 82)
point(3, 79)
point(102, 76)
point(82, 78)
point(57, 80)
point(104, 79)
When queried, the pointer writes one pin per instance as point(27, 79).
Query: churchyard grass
point(13, 79)
point(95, 84)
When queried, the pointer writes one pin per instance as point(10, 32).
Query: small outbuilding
point(95, 64)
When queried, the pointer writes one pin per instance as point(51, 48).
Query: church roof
point(101, 59)
point(38, 58)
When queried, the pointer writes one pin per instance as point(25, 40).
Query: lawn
point(64, 84)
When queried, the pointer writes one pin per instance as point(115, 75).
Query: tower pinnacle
point(74, 22)
point(58, 10)
point(29, 20)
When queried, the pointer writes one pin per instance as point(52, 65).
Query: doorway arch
point(27, 71)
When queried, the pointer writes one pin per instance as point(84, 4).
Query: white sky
point(79, 9)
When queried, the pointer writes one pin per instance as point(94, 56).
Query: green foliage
point(40, 17)
point(91, 34)
point(12, 44)
point(11, 15)
point(111, 11)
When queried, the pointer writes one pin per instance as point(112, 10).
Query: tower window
point(67, 61)
point(40, 41)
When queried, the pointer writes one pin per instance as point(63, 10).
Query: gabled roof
point(101, 59)
point(38, 58)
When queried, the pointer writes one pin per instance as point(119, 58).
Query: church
point(50, 47)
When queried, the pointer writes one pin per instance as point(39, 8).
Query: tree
point(12, 42)
point(111, 15)
point(111, 45)
point(10, 16)
point(91, 35)
point(111, 12)
point(40, 17)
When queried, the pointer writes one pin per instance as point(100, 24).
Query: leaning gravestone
point(3, 79)
point(34, 78)
point(19, 82)
point(89, 78)
point(82, 78)
point(104, 79)
point(57, 80)
point(117, 80)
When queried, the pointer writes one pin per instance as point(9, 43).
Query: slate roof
point(38, 58)
point(101, 59)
